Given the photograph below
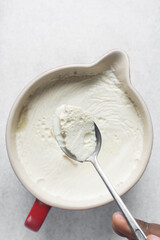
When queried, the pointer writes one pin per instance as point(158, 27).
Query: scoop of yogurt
point(74, 130)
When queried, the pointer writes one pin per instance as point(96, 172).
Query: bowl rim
point(127, 81)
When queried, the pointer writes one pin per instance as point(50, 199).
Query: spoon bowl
point(92, 156)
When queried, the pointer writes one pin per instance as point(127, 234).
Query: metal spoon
point(139, 234)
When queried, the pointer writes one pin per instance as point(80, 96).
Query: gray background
point(36, 35)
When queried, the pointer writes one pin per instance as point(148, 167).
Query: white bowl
point(119, 61)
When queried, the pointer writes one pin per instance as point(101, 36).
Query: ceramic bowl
point(114, 59)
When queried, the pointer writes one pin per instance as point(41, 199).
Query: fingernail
point(153, 237)
point(119, 215)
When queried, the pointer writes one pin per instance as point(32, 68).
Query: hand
point(121, 227)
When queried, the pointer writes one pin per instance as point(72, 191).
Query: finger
point(120, 226)
point(119, 233)
point(149, 228)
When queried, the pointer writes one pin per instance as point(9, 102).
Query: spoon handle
point(139, 234)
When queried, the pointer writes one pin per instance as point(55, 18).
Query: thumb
point(121, 227)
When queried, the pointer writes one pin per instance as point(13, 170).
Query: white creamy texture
point(114, 113)
point(74, 130)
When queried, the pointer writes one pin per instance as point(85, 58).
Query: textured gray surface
point(36, 35)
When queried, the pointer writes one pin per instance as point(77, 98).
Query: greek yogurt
point(116, 115)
